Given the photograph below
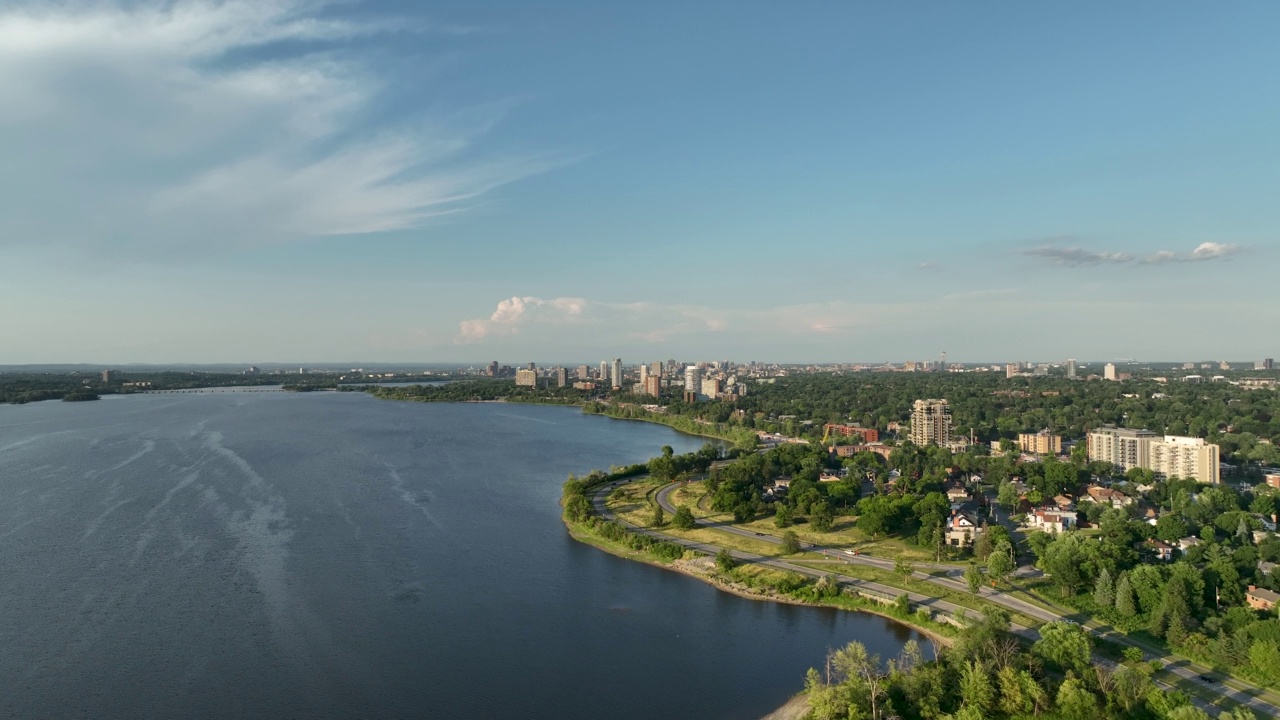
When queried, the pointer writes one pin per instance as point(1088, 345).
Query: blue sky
point(403, 181)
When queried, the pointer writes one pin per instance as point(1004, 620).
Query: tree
point(1104, 590)
point(820, 517)
point(1125, 603)
point(973, 578)
point(1064, 645)
point(976, 692)
point(1075, 702)
point(683, 519)
point(790, 543)
point(659, 517)
point(983, 545)
point(783, 516)
point(1007, 496)
point(853, 662)
point(1000, 562)
point(725, 561)
point(902, 568)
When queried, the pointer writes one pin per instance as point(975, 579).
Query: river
point(330, 555)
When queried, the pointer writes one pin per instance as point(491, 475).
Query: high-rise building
point(1121, 447)
point(1010, 370)
point(711, 387)
point(653, 385)
point(644, 373)
point(1109, 371)
point(527, 377)
point(492, 370)
point(604, 371)
point(584, 372)
point(108, 375)
point(930, 422)
point(562, 377)
point(692, 379)
point(1185, 457)
point(1071, 369)
point(617, 373)
point(655, 368)
point(1266, 364)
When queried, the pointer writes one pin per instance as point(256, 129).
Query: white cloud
point(1079, 257)
point(203, 122)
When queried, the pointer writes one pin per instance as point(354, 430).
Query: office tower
point(655, 369)
point(1109, 372)
point(562, 377)
point(604, 371)
point(1267, 364)
point(1071, 369)
point(930, 422)
point(617, 372)
point(644, 373)
point(584, 372)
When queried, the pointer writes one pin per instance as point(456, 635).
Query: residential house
point(1053, 521)
point(1149, 516)
point(958, 493)
point(1162, 550)
point(1107, 496)
point(1187, 543)
point(828, 477)
point(961, 529)
point(1261, 598)
point(1268, 523)
point(1064, 503)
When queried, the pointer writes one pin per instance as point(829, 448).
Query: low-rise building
point(1041, 443)
point(961, 529)
point(1161, 550)
point(1107, 496)
point(1261, 598)
point(1053, 521)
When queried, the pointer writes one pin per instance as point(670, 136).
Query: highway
point(1180, 668)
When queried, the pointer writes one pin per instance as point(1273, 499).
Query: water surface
point(329, 555)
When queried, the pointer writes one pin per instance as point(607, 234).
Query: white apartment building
point(710, 387)
point(617, 372)
point(1185, 457)
point(1109, 371)
point(1168, 456)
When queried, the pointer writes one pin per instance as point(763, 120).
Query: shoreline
point(748, 593)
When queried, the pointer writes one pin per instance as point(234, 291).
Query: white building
point(692, 379)
point(1168, 456)
point(617, 372)
point(1109, 371)
point(931, 422)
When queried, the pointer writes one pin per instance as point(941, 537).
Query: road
point(1180, 668)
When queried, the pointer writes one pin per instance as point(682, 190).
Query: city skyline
point(384, 181)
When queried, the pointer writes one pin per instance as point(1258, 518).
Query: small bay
point(329, 555)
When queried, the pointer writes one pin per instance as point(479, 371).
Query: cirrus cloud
point(156, 125)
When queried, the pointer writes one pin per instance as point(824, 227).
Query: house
point(828, 477)
point(1261, 598)
point(1162, 551)
point(1053, 521)
point(1107, 496)
point(1149, 516)
point(1187, 543)
point(1265, 567)
point(961, 529)
point(1064, 502)
point(1268, 523)
point(958, 493)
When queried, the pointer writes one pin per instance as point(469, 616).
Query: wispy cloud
point(1075, 256)
point(196, 123)
point(650, 322)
